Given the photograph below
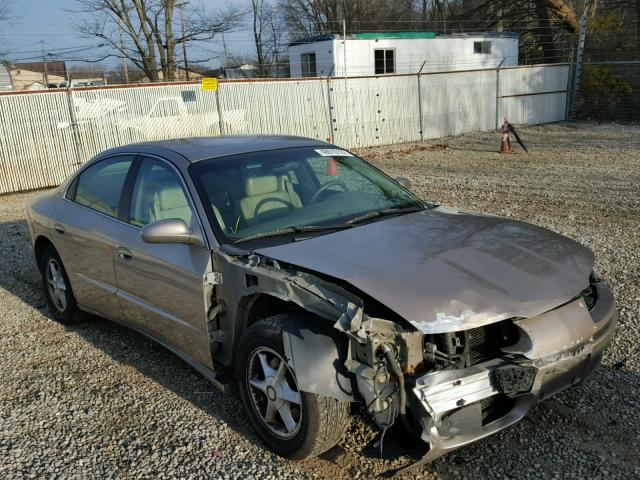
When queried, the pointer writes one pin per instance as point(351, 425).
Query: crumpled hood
point(445, 270)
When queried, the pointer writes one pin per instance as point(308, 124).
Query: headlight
point(590, 294)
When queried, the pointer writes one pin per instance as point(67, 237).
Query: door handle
point(58, 228)
point(124, 253)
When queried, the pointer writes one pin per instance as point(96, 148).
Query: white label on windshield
point(333, 152)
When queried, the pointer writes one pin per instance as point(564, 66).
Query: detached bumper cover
point(556, 350)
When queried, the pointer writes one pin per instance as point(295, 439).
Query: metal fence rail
point(44, 136)
point(533, 95)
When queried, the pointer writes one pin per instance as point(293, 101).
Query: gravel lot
point(98, 401)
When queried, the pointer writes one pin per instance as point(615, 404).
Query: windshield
point(256, 193)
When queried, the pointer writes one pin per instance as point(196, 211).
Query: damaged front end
point(455, 388)
point(449, 388)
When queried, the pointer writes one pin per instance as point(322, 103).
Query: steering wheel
point(264, 201)
point(330, 183)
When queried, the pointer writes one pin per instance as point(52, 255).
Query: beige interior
point(172, 203)
point(160, 197)
point(268, 193)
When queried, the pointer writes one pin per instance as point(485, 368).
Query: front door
point(83, 233)
point(160, 286)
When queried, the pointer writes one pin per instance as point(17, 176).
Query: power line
point(63, 50)
point(59, 53)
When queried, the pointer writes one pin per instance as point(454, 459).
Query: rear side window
point(99, 187)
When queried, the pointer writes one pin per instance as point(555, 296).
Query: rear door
point(83, 232)
point(160, 286)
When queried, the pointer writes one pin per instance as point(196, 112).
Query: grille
point(484, 343)
point(477, 348)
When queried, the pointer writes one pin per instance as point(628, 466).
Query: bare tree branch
point(4, 10)
point(148, 26)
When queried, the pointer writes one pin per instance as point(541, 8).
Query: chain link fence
point(610, 91)
point(609, 84)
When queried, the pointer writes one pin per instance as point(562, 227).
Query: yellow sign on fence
point(209, 83)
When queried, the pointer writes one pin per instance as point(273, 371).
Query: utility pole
point(226, 53)
point(125, 69)
point(344, 49)
point(45, 75)
point(184, 41)
point(577, 78)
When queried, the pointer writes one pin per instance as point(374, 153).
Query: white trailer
point(377, 53)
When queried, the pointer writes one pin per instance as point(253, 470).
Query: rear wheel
point(57, 289)
point(294, 424)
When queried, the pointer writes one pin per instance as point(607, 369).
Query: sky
point(54, 23)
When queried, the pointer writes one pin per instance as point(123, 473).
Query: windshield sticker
point(333, 152)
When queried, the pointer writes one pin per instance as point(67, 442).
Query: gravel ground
point(97, 401)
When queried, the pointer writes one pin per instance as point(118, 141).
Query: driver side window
point(158, 195)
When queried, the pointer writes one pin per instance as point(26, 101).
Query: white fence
point(44, 136)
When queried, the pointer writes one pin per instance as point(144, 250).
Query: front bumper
point(556, 350)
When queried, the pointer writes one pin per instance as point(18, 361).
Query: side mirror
point(171, 230)
point(404, 182)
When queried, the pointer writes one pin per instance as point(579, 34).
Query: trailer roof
point(400, 35)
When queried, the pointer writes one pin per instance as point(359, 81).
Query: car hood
point(445, 270)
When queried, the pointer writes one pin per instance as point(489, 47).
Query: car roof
point(201, 148)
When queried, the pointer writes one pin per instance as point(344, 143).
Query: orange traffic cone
point(332, 167)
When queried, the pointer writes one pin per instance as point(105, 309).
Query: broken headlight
point(590, 294)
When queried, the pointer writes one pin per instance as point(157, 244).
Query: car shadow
point(19, 276)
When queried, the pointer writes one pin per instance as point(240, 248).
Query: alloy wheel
point(56, 285)
point(274, 393)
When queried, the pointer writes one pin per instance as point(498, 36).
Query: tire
point(57, 289)
point(319, 421)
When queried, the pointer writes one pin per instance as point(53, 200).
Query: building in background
point(379, 53)
point(6, 84)
point(30, 80)
point(242, 71)
point(234, 72)
point(31, 76)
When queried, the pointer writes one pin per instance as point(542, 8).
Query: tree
point(148, 27)
point(274, 42)
point(269, 37)
point(4, 16)
point(4, 10)
point(312, 17)
point(546, 28)
point(258, 9)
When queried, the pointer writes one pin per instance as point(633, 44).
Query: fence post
point(572, 68)
point(420, 102)
point(74, 124)
point(330, 105)
point(329, 108)
point(498, 93)
point(220, 121)
point(577, 78)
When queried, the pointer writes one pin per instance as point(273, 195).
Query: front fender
point(317, 352)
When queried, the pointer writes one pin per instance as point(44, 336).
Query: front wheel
point(294, 424)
